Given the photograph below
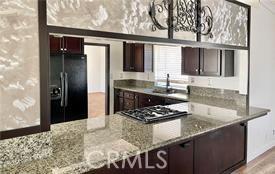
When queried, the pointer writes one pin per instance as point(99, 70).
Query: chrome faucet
point(168, 86)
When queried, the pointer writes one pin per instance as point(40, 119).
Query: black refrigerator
point(68, 86)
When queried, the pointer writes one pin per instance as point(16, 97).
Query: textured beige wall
point(229, 23)
point(119, 16)
point(19, 64)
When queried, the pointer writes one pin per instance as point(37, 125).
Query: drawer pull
point(185, 145)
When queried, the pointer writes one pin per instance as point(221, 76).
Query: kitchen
point(210, 84)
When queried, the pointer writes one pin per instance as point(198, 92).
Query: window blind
point(168, 60)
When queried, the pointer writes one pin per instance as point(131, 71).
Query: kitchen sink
point(163, 91)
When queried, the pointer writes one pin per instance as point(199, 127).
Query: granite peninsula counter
point(70, 146)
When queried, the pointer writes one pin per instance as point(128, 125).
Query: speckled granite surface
point(73, 144)
point(201, 94)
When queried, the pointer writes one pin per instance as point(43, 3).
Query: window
point(167, 60)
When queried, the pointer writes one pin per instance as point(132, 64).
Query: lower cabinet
point(127, 100)
point(217, 152)
point(181, 158)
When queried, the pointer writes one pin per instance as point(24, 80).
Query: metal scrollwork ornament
point(186, 16)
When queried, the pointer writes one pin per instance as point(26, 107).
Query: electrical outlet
point(192, 80)
point(209, 82)
point(273, 132)
point(121, 75)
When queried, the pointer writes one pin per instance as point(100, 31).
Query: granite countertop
point(72, 145)
point(224, 103)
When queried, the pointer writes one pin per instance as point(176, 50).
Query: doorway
point(97, 79)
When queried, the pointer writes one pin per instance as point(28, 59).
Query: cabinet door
point(190, 61)
point(128, 57)
point(218, 151)
point(210, 62)
point(56, 44)
point(74, 45)
point(150, 100)
point(118, 101)
point(138, 57)
point(181, 159)
point(148, 58)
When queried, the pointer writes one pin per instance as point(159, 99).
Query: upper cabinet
point(137, 57)
point(230, 23)
point(207, 62)
point(70, 45)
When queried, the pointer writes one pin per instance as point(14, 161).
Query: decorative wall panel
point(19, 64)
point(229, 23)
point(119, 16)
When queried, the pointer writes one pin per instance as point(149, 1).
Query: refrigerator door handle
point(66, 89)
point(62, 89)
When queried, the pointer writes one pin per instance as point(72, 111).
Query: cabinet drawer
point(129, 104)
point(129, 95)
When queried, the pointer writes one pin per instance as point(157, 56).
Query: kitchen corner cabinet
point(137, 57)
point(71, 45)
point(207, 62)
point(219, 151)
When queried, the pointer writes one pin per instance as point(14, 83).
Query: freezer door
point(56, 85)
point(76, 92)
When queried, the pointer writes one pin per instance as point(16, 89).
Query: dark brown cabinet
point(210, 62)
point(218, 151)
point(127, 100)
point(70, 45)
point(190, 61)
point(207, 62)
point(150, 100)
point(181, 158)
point(137, 57)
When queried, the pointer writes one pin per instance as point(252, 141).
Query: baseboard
point(260, 151)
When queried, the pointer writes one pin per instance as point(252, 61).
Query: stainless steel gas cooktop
point(154, 113)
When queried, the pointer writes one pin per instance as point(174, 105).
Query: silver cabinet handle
point(66, 89)
point(197, 70)
point(62, 89)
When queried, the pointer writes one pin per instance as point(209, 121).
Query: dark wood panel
point(210, 62)
point(190, 61)
point(150, 100)
point(181, 158)
point(139, 57)
point(56, 44)
point(220, 150)
point(127, 57)
point(74, 45)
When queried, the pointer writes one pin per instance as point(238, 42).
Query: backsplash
point(194, 91)
point(132, 82)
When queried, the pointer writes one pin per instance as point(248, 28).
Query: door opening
point(97, 79)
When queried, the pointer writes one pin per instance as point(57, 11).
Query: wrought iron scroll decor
point(187, 15)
